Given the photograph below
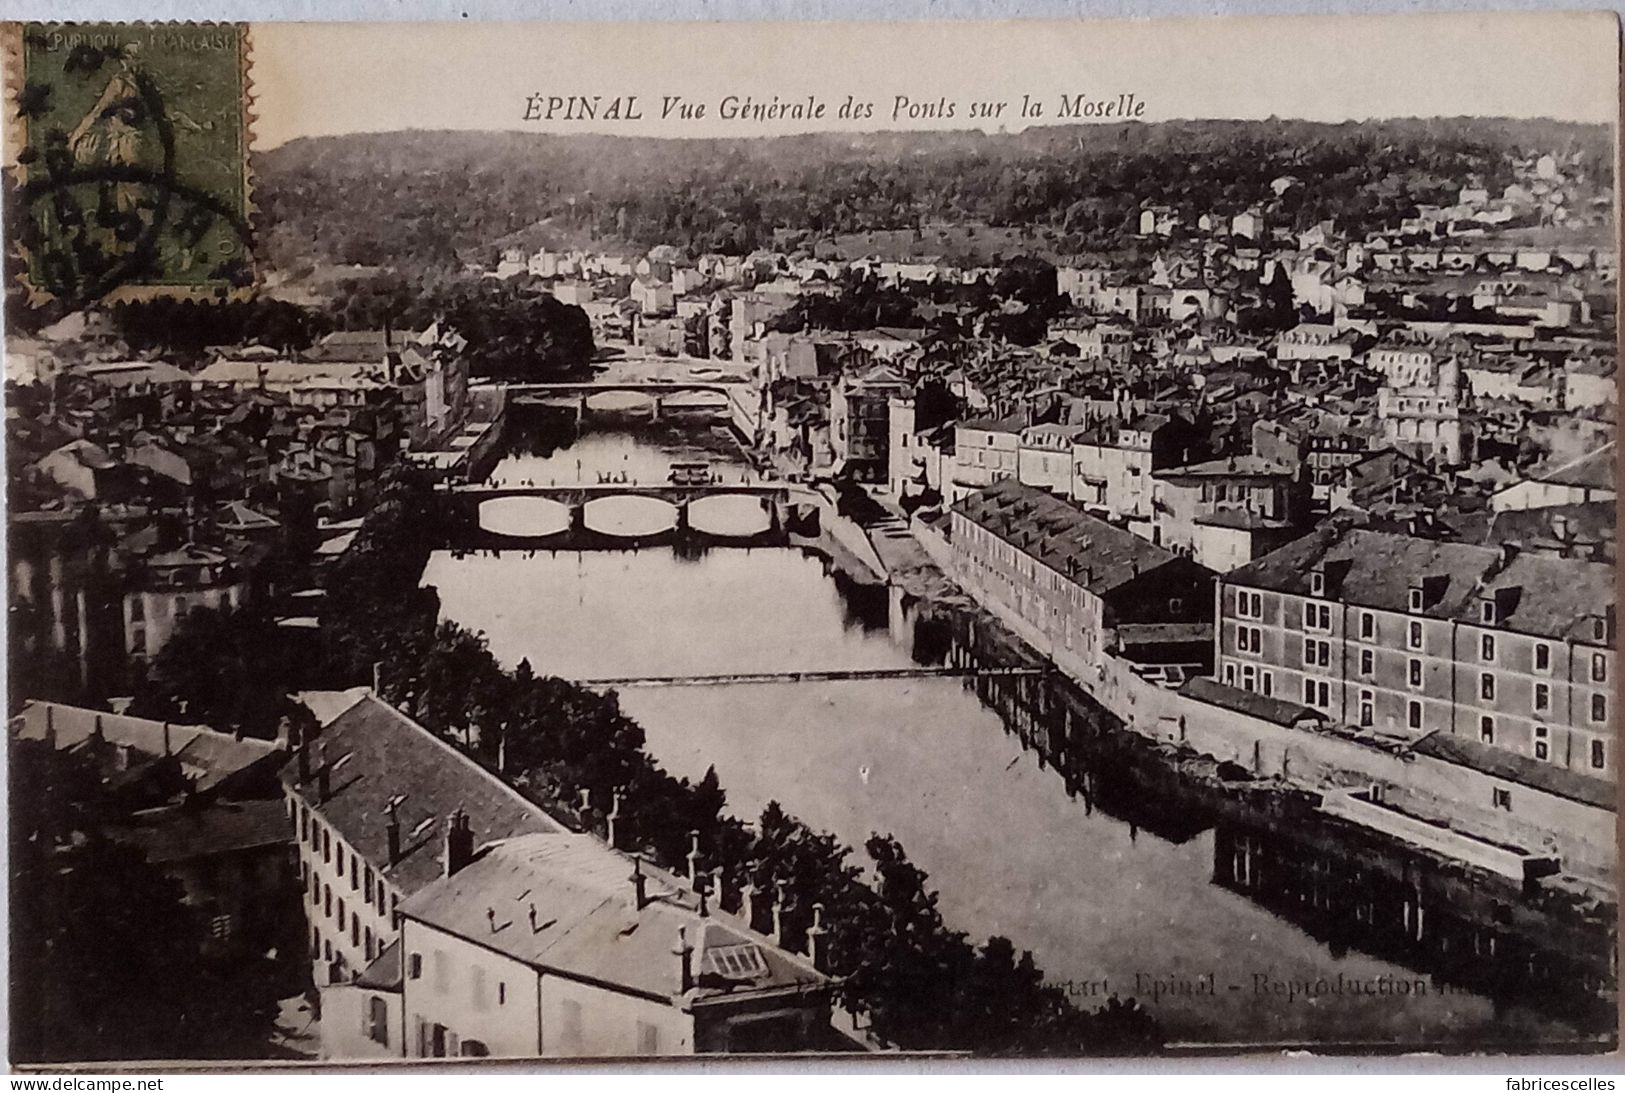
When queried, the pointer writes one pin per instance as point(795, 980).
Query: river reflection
point(1104, 905)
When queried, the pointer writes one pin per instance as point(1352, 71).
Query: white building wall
point(347, 1027)
point(343, 910)
point(475, 993)
point(579, 1019)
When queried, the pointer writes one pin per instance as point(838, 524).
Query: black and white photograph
point(1063, 539)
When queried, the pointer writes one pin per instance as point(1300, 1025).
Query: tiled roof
point(1275, 710)
point(587, 923)
point(238, 515)
point(1097, 555)
point(387, 755)
point(1594, 469)
point(1241, 466)
point(183, 833)
point(1509, 765)
point(326, 706)
point(1587, 521)
point(385, 972)
point(993, 425)
point(310, 374)
point(1558, 597)
point(209, 755)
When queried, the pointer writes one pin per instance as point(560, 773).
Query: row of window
point(361, 937)
point(1317, 694)
point(316, 835)
point(1317, 617)
point(1318, 654)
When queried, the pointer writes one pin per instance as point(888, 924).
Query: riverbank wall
point(1447, 806)
point(841, 541)
point(1464, 918)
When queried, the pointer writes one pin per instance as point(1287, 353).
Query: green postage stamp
point(128, 147)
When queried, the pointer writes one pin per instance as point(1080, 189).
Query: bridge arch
point(523, 516)
point(731, 514)
point(630, 515)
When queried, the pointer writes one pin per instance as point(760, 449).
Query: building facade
point(860, 421)
point(1226, 512)
point(986, 450)
point(1419, 403)
point(1065, 578)
point(369, 802)
point(1410, 637)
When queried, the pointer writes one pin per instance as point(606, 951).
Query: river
point(1105, 907)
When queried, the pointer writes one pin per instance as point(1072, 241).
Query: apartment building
point(167, 585)
point(555, 945)
point(1420, 401)
point(1227, 512)
point(1045, 457)
point(449, 916)
point(370, 801)
point(1112, 464)
point(1065, 578)
point(860, 421)
point(1409, 637)
point(986, 450)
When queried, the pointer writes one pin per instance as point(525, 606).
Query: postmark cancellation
point(127, 156)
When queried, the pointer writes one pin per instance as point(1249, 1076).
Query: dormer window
point(1317, 583)
point(1415, 600)
point(1486, 612)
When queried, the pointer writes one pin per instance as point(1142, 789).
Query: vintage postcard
point(1072, 539)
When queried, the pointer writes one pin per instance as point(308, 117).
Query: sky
point(317, 79)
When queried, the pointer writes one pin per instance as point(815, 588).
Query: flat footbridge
point(835, 675)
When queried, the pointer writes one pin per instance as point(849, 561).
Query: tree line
point(433, 200)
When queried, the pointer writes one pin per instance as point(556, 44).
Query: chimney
point(459, 842)
point(324, 778)
point(377, 676)
point(778, 910)
point(747, 898)
point(301, 750)
point(392, 830)
point(716, 886)
point(685, 954)
point(613, 817)
point(816, 939)
point(50, 727)
point(96, 730)
point(640, 884)
point(693, 859)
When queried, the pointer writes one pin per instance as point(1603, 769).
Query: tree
point(231, 669)
point(935, 404)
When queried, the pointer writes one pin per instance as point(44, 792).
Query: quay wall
point(1581, 835)
point(849, 536)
